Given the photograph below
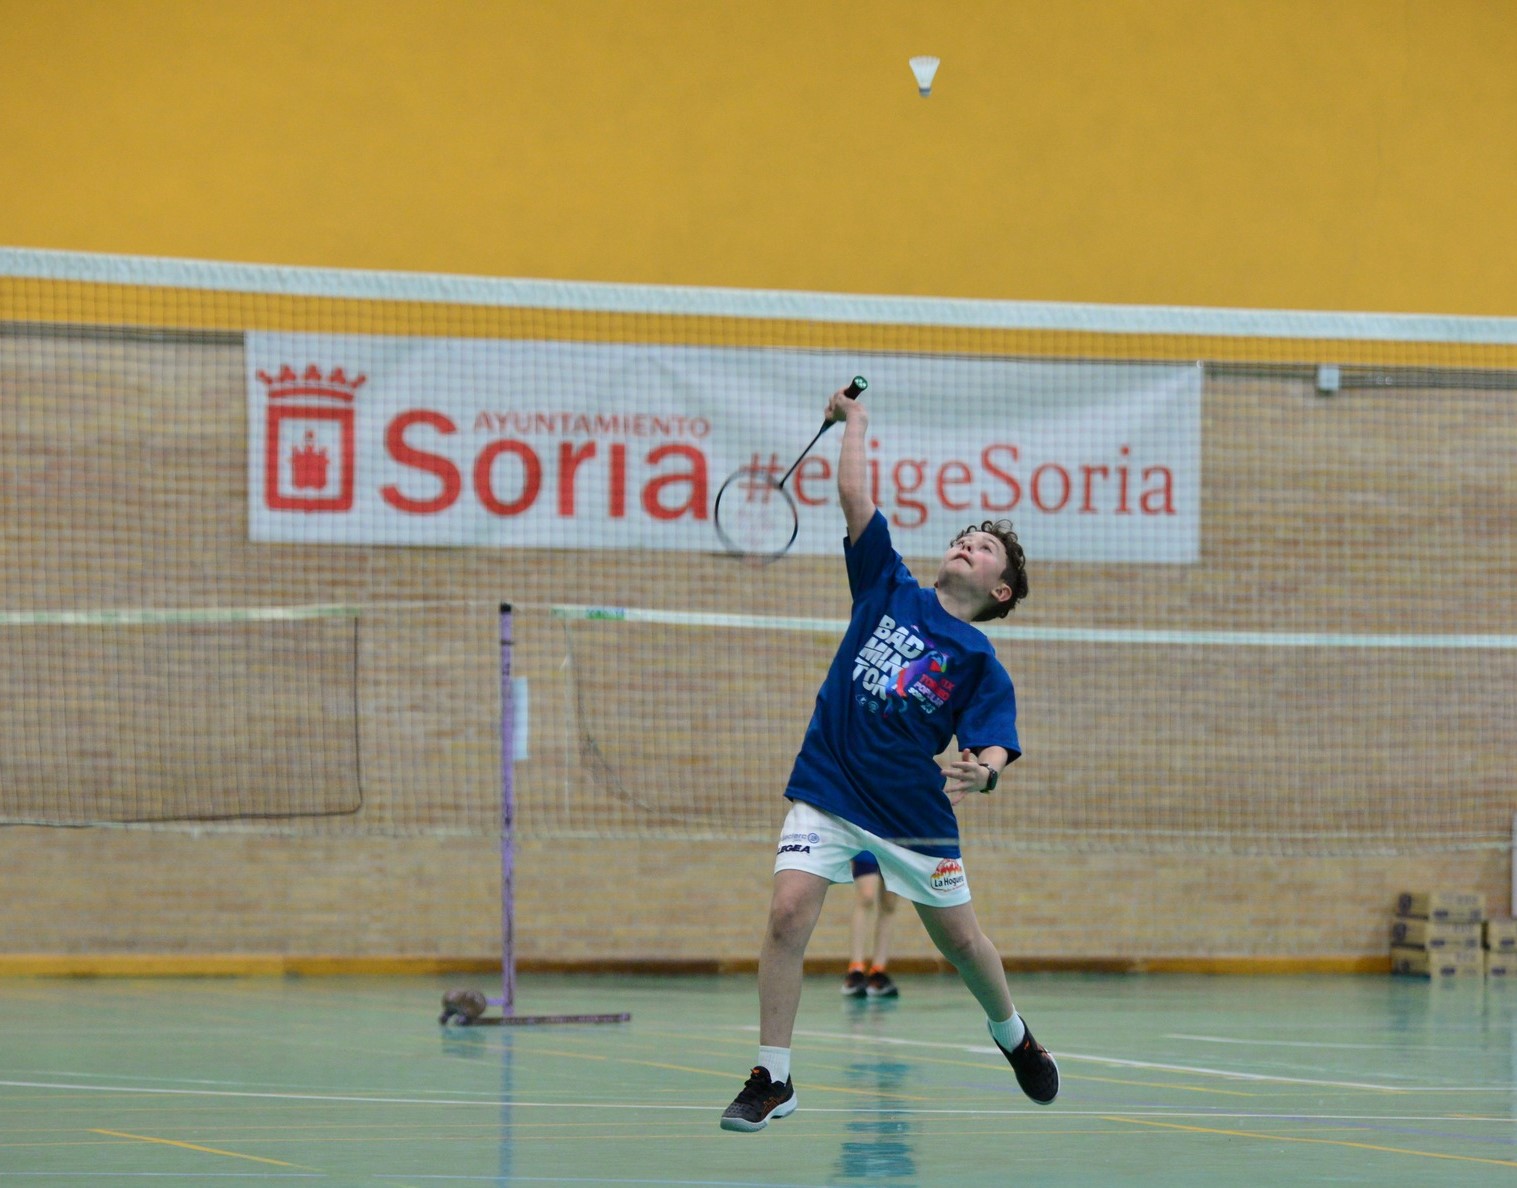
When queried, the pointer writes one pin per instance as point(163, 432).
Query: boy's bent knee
point(786, 920)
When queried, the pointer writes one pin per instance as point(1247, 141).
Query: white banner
point(415, 441)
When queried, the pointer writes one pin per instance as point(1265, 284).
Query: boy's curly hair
point(1015, 573)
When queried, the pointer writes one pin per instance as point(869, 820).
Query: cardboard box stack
point(1501, 948)
point(1439, 934)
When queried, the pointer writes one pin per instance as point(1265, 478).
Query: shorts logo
point(809, 838)
point(793, 850)
point(949, 876)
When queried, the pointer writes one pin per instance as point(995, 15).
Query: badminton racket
point(755, 516)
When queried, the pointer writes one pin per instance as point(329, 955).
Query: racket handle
point(853, 391)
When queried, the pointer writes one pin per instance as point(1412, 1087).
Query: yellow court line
point(875, 1094)
point(1286, 1138)
point(812, 1088)
point(571, 1054)
point(147, 1138)
point(705, 1072)
point(1066, 1076)
point(1207, 1089)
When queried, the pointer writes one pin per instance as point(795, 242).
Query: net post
point(508, 1015)
point(507, 819)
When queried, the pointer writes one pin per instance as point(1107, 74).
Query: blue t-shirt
point(906, 679)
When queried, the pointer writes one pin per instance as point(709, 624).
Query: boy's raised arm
point(853, 472)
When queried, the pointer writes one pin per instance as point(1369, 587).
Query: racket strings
point(755, 514)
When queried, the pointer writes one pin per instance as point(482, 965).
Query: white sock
point(777, 1062)
point(1009, 1032)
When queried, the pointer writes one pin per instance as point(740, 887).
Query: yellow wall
point(1324, 154)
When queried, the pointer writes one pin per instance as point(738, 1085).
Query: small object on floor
point(462, 1007)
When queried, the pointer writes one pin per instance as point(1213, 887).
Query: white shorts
point(824, 845)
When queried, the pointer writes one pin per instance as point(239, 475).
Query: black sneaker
point(879, 985)
point(760, 1100)
point(855, 984)
point(1036, 1071)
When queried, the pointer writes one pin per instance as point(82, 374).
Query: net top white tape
point(751, 303)
point(1255, 639)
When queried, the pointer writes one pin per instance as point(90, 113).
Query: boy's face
point(977, 556)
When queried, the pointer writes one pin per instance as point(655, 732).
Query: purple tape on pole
point(507, 819)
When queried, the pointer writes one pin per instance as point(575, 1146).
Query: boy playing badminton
point(911, 673)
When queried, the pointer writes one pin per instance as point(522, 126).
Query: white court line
point(1273, 1078)
point(409, 1177)
point(1195, 1070)
point(148, 1080)
point(1274, 1043)
point(516, 1179)
point(155, 1090)
point(703, 1107)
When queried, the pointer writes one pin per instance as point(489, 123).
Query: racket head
point(755, 517)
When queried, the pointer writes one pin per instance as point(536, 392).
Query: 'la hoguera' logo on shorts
point(948, 876)
point(309, 459)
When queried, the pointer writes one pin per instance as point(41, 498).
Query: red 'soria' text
point(670, 479)
point(508, 475)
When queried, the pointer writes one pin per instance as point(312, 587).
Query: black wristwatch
point(995, 778)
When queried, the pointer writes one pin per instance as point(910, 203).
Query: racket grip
point(852, 391)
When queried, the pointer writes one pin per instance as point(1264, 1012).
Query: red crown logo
point(309, 458)
point(334, 384)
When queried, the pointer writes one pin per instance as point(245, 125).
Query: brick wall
point(1384, 509)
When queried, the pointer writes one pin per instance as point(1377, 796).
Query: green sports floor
point(1167, 1080)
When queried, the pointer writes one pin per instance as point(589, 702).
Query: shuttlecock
point(924, 69)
